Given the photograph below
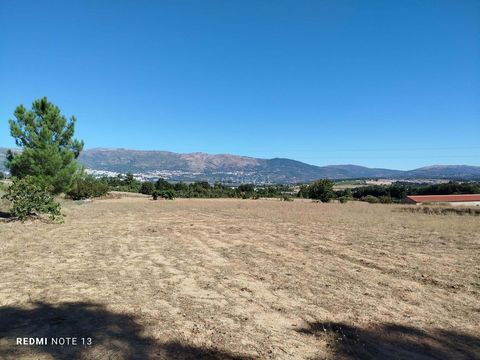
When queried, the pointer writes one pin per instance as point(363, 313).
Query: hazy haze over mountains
point(234, 168)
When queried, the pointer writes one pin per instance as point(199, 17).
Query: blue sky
point(391, 84)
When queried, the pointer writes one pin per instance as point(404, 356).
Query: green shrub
point(30, 199)
point(167, 194)
point(385, 199)
point(344, 199)
point(321, 190)
point(248, 188)
point(286, 198)
point(86, 188)
point(147, 188)
point(163, 184)
point(371, 199)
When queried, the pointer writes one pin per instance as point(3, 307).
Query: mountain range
point(237, 169)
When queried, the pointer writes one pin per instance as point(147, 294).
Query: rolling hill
point(221, 167)
point(234, 168)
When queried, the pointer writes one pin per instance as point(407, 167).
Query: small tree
point(147, 188)
point(246, 188)
point(321, 190)
point(86, 188)
point(48, 148)
point(29, 199)
point(371, 199)
point(163, 184)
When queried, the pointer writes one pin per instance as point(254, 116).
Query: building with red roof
point(460, 199)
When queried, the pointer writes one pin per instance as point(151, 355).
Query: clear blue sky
point(391, 84)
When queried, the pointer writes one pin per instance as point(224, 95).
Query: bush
point(86, 188)
point(147, 188)
point(165, 194)
point(248, 188)
point(371, 199)
point(344, 199)
point(385, 199)
point(30, 199)
point(163, 184)
point(286, 198)
point(321, 190)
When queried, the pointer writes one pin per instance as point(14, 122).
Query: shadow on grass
point(114, 336)
point(391, 341)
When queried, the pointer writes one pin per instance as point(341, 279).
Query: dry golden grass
point(240, 279)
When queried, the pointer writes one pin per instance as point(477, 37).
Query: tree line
point(198, 189)
point(323, 190)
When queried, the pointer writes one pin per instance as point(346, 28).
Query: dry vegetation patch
point(240, 279)
point(443, 210)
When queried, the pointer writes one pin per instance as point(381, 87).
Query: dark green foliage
point(181, 186)
point(344, 199)
point(371, 199)
point(448, 188)
point(303, 192)
point(147, 188)
point(2, 175)
point(28, 199)
point(385, 199)
point(48, 148)
point(286, 198)
point(373, 190)
point(273, 190)
point(123, 183)
point(244, 195)
point(247, 188)
point(200, 189)
point(163, 184)
point(165, 194)
point(398, 191)
point(321, 190)
point(86, 188)
point(129, 179)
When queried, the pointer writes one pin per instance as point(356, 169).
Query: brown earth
point(241, 279)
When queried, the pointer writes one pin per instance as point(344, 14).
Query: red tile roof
point(444, 198)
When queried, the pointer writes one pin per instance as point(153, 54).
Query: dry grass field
point(242, 279)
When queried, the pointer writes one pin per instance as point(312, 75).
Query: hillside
point(223, 167)
point(235, 169)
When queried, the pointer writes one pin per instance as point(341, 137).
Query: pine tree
point(48, 148)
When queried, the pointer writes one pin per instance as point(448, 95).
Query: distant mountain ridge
point(234, 168)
